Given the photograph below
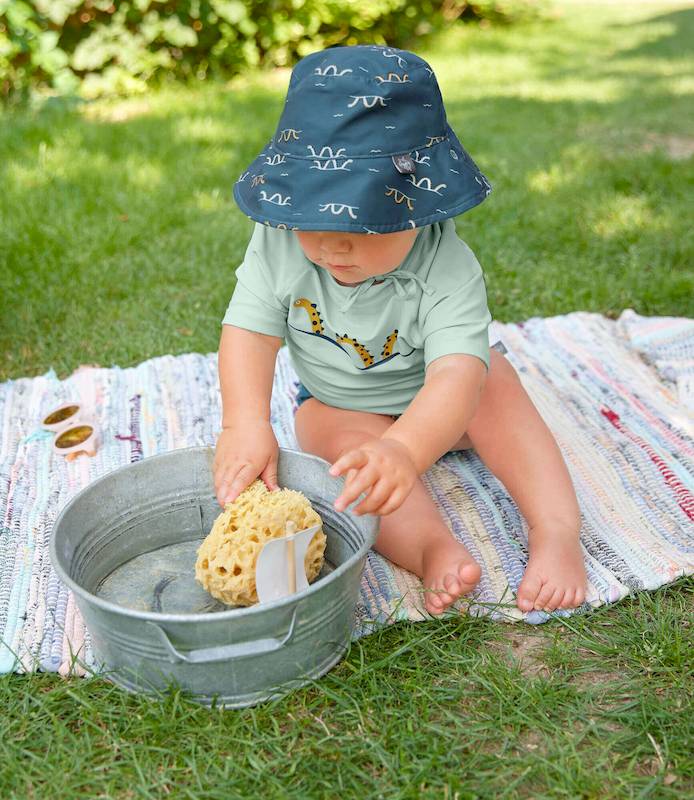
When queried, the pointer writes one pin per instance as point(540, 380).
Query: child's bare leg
point(413, 536)
point(515, 443)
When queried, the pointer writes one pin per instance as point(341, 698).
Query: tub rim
point(218, 616)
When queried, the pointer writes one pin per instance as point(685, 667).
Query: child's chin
point(344, 276)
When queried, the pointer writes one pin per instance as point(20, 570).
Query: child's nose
point(336, 248)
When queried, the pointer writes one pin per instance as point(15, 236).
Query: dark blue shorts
point(303, 394)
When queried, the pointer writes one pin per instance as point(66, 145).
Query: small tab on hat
point(404, 163)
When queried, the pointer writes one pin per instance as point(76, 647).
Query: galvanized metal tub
point(125, 545)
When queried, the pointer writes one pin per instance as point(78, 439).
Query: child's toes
point(574, 597)
point(452, 585)
point(555, 600)
point(527, 592)
point(432, 606)
point(445, 599)
point(435, 601)
point(470, 575)
point(569, 601)
point(544, 596)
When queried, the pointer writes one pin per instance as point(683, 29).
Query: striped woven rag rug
point(618, 396)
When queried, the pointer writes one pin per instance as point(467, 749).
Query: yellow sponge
point(227, 557)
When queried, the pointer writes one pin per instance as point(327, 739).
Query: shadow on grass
point(673, 43)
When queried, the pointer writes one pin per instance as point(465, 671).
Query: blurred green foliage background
point(106, 47)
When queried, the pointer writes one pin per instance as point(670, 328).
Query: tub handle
point(207, 655)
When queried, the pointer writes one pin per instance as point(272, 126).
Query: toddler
point(356, 263)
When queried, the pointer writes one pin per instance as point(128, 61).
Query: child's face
point(353, 257)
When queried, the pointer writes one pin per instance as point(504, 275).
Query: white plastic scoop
point(279, 570)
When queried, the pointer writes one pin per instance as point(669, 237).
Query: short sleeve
point(456, 317)
point(255, 304)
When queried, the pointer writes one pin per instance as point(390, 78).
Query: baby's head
point(362, 147)
point(353, 257)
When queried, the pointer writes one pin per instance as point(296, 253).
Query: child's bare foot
point(448, 572)
point(556, 575)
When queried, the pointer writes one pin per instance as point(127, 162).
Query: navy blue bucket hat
point(363, 145)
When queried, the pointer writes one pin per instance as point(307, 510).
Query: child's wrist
point(411, 452)
point(244, 420)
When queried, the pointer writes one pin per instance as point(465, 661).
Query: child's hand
point(244, 452)
point(383, 468)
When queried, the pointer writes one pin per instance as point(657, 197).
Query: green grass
point(592, 707)
point(119, 240)
point(120, 235)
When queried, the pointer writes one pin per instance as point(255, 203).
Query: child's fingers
point(363, 480)
point(392, 503)
point(222, 482)
point(379, 494)
point(354, 458)
point(269, 474)
point(223, 493)
point(235, 483)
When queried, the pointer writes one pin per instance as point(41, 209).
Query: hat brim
point(369, 195)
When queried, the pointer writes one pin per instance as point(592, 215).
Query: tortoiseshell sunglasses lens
point(60, 415)
point(73, 436)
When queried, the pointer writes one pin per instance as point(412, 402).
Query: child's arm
point(441, 410)
point(434, 421)
point(246, 447)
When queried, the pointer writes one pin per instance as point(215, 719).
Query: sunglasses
point(75, 432)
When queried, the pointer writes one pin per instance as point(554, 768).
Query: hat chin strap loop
point(398, 278)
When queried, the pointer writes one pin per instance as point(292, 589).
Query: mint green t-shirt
point(365, 347)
